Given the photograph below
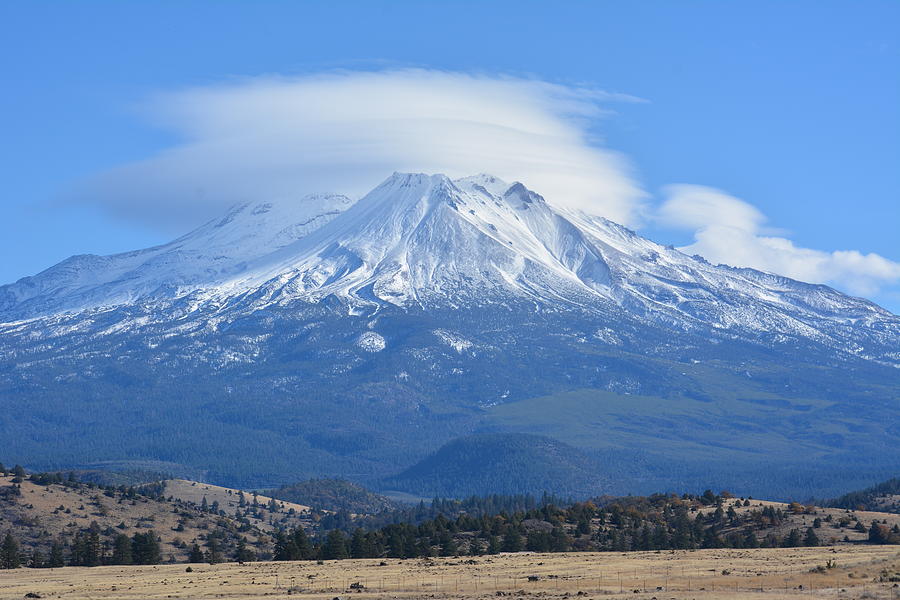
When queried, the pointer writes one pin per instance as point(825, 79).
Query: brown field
point(681, 575)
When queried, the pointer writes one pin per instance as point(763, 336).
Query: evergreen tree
point(303, 545)
point(494, 545)
point(879, 534)
point(121, 553)
point(561, 541)
point(196, 554)
point(335, 547)
point(793, 539)
point(750, 540)
point(359, 544)
point(512, 541)
point(93, 553)
point(811, 539)
point(243, 554)
point(37, 560)
point(424, 548)
point(145, 549)
point(213, 551)
point(9, 552)
point(448, 545)
point(285, 548)
point(78, 551)
point(645, 540)
point(56, 559)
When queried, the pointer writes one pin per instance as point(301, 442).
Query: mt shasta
point(324, 337)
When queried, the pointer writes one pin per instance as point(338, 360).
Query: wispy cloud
point(731, 231)
point(282, 137)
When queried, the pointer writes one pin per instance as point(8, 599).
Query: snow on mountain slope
point(220, 247)
point(425, 241)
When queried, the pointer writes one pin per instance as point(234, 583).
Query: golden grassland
point(680, 575)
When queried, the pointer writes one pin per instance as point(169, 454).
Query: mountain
point(323, 337)
point(506, 463)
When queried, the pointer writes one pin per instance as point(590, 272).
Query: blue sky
point(790, 107)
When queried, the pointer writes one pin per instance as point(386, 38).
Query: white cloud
point(283, 137)
point(730, 231)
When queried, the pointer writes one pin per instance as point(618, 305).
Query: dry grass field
point(681, 575)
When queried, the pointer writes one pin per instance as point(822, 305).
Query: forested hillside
point(334, 495)
point(505, 463)
point(883, 497)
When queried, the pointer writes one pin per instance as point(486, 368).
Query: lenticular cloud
point(276, 138)
point(730, 231)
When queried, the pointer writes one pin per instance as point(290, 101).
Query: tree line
point(660, 522)
point(474, 526)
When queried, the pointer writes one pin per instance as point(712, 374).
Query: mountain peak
point(424, 240)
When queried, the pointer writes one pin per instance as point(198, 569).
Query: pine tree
point(424, 548)
point(793, 539)
point(811, 539)
point(561, 541)
point(335, 547)
point(145, 549)
point(750, 540)
point(56, 559)
point(9, 552)
point(512, 541)
point(213, 552)
point(196, 554)
point(448, 545)
point(92, 550)
point(78, 550)
point(243, 554)
point(304, 547)
point(37, 560)
point(121, 554)
point(359, 544)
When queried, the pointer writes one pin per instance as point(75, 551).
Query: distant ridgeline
point(125, 525)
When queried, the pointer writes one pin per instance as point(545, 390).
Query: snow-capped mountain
point(334, 337)
point(426, 241)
